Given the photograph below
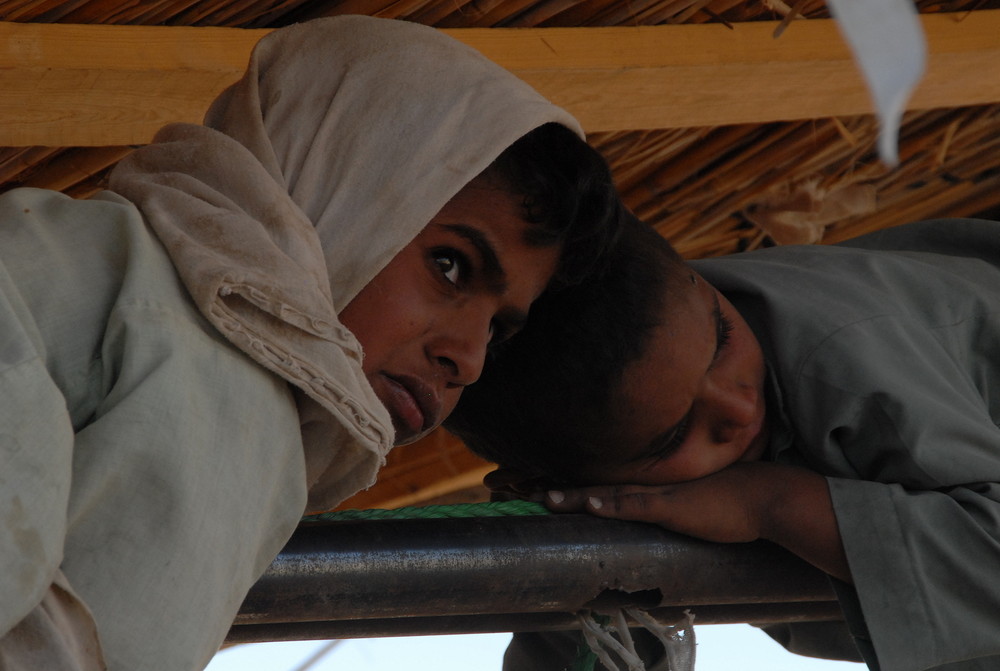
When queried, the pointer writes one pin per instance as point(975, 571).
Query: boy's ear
point(512, 483)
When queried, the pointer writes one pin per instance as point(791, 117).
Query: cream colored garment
point(341, 142)
point(152, 463)
point(58, 635)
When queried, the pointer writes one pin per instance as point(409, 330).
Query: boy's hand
point(507, 484)
point(743, 502)
point(725, 507)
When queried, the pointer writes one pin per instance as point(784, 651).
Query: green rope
point(491, 509)
point(585, 660)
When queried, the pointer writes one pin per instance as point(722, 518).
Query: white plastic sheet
point(888, 43)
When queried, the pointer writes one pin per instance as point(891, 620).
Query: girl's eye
point(451, 265)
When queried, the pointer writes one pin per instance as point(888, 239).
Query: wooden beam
point(683, 76)
point(73, 85)
point(431, 469)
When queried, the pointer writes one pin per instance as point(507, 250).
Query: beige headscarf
point(340, 143)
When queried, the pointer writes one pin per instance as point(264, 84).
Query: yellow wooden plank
point(709, 74)
point(435, 466)
point(71, 85)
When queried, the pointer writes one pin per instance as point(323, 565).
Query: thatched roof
point(711, 189)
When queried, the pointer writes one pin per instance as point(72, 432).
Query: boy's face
point(426, 320)
point(694, 402)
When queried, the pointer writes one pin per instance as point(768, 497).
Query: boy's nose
point(733, 406)
point(460, 350)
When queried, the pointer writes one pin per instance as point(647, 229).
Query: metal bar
point(762, 613)
point(388, 572)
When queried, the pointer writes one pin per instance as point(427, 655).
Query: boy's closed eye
point(693, 403)
point(667, 443)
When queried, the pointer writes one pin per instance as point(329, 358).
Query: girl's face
point(694, 403)
point(426, 320)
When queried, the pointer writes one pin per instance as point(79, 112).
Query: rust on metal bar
point(418, 576)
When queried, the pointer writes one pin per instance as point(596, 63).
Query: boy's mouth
point(412, 404)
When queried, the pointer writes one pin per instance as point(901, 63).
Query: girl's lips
point(412, 404)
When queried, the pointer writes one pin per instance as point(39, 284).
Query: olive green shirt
point(885, 354)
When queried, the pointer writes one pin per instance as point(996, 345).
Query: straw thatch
point(710, 190)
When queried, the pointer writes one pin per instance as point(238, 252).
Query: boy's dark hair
point(545, 403)
point(568, 193)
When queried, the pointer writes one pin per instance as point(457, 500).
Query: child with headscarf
point(841, 401)
point(256, 311)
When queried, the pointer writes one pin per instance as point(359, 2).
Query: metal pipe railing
point(418, 576)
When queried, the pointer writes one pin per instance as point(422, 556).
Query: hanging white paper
point(889, 46)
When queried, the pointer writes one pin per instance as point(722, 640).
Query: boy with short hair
point(841, 401)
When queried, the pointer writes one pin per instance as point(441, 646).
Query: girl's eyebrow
point(660, 446)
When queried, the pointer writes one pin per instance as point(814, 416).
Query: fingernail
point(556, 497)
point(595, 502)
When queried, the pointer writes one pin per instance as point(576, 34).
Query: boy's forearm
point(787, 505)
point(800, 518)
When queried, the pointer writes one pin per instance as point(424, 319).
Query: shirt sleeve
point(189, 480)
point(154, 464)
point(899, 416)
point(36, 449)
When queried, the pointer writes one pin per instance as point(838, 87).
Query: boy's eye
point(725, 330)
point(677, 439)
point(451, 264)
point(668, 443)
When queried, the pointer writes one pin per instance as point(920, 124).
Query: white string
point(678, 640)
point(624, 634)
point(604, 640)
point(597, 638)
